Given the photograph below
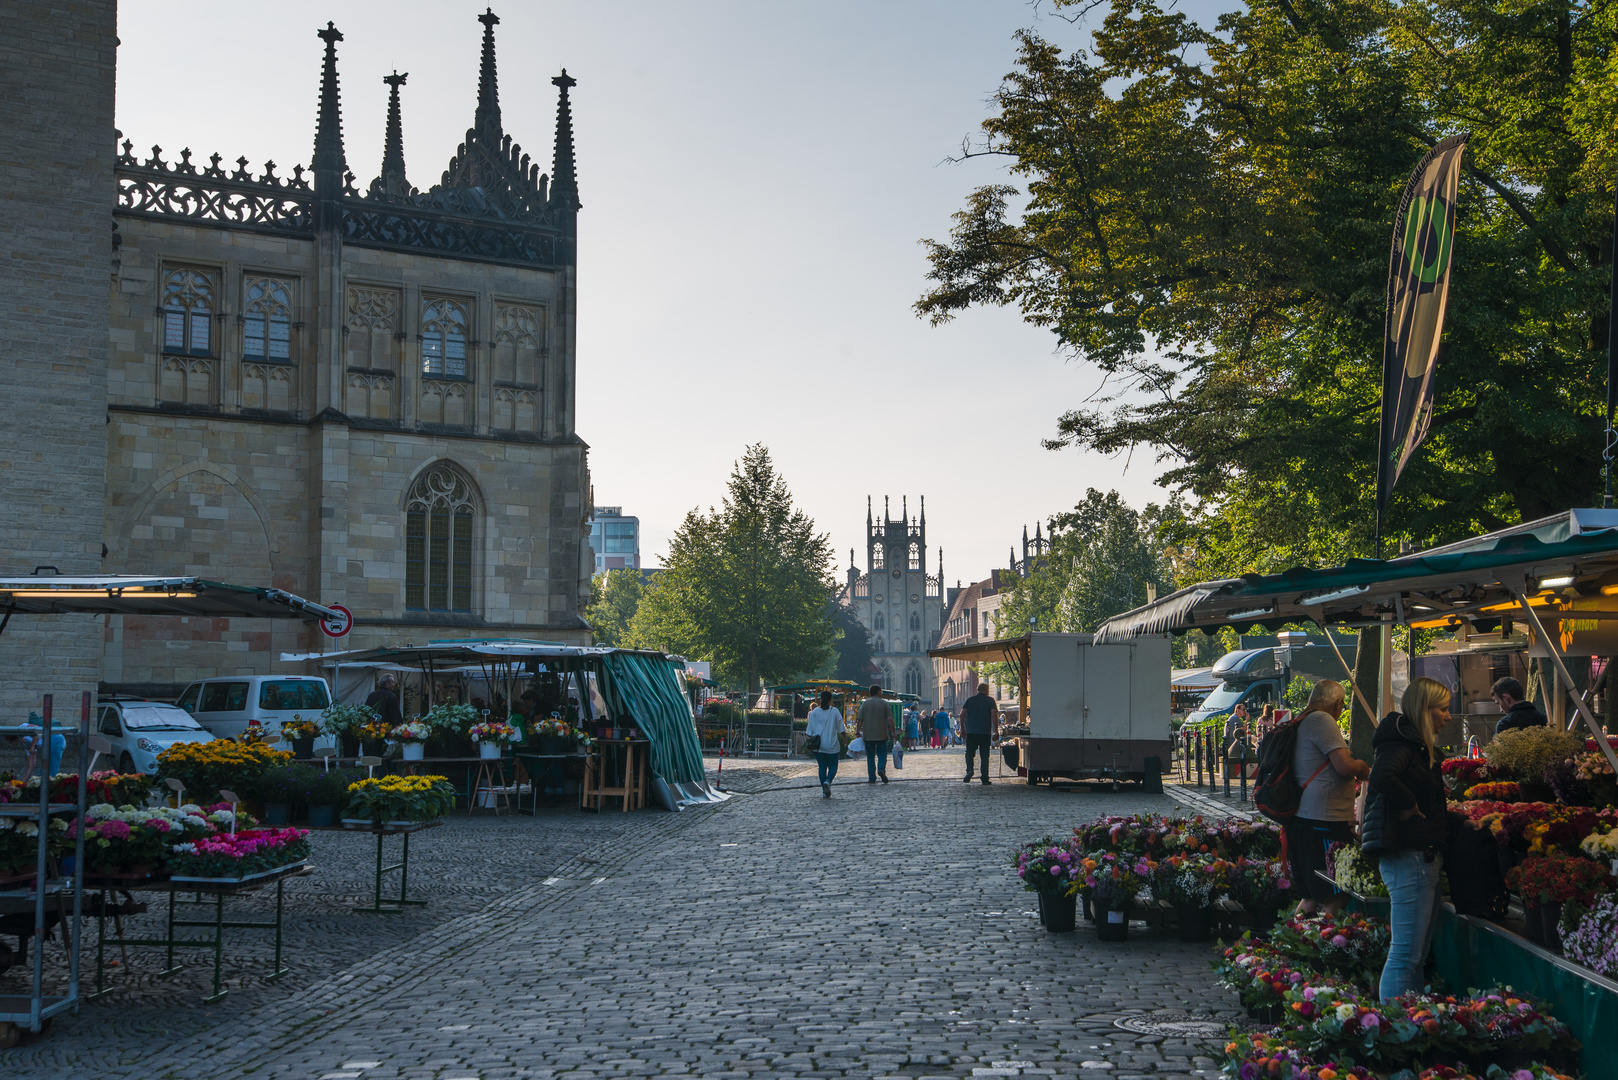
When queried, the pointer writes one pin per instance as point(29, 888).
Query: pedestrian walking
point(876, 728)
point(912, 727)
point(1328, 775)
point(940, 728)
point(385, 700)
point(977, 724)
point(1508, 694)
point(825, 735)
point(1406, 829)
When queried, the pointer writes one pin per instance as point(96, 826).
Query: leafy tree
point(1206, 218)
point(614, 598)
point(747, 586)
point(852, 657)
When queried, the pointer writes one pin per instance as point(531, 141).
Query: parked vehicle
point(140, 730)
point(225, 706)
point(1259, 677)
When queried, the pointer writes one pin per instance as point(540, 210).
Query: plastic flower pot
point(373, 747)
point(303, 748)
point(1058, 913)
point(278, 813)
point(1264, 919)
point(322, 817)
point(350, 745)
point(554, 744)
point(1534, 923)
point(488, 750)
point(1112, 924)
point(1196, 922)
point(1551, 914)
point(414, 751)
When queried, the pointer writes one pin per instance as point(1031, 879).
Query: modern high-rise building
point(616, 539)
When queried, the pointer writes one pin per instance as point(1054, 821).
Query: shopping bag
point(856, 747)
point(898, 756)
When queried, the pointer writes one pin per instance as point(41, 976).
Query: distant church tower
point(896, 599)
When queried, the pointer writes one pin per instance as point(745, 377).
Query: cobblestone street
point(878, 933)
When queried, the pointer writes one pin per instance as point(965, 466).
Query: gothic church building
point(363, 396)
point(898, 602)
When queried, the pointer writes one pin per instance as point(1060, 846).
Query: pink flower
point(1339, 941)
point(113, 830)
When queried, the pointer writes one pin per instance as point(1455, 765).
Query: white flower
point(1345, 1012)
point(101, 812)
point(27, 828)
point(184, 849)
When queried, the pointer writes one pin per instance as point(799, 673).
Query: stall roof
point(999, 651)
point(1198, 678)
point(445, 654)
point(1554, 559)
point(142, 594)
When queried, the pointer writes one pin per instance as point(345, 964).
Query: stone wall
point(56, 195)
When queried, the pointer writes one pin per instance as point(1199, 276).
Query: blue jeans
point(1412, 884)
point(828, 766)
point(876, 757)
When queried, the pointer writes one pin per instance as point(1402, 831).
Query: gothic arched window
point(188, 307)
point(915, 621)
point(516, 345)
point(913, 680)
point(876, 645)
point(443, 339)
point(915, 644)
point(438, 541)
point(877, 622)
point(267, 307)
point(915, 556)
point(876, 558)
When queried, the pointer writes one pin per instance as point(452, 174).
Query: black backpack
point(1276, 791)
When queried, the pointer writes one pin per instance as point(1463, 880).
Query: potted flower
point(301, 734)
point(374, 737)
point(1192, 883)
point(449, 724)
point(1546, 882)
point(1261, 886)
point(413, 738)
point(555, 735)
point(399, 799)
point(326, 794)
point(491, 737)
point(1463, 772)
point(1050, 868)
point(234, 856)
point(343, 722)
point(1110, 881)
point(279, 790)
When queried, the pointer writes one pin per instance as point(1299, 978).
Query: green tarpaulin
point(649, 688)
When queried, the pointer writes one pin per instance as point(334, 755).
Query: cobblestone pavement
point(877, 933)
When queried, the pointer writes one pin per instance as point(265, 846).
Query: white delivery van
point(225, 706)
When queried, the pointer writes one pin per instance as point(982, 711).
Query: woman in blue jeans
point(1406, 828)
point(827, 723)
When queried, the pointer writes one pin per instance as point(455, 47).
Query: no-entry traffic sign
point(338, 625)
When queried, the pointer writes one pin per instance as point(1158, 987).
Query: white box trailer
point(1093, 712)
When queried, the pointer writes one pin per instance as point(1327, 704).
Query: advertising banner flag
point(1418, 290)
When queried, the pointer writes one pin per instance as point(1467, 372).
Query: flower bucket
point(1552, 915)
point(414, 751)
point(1112, 924)
point(278, 813)
point(1534, 923)
point(322, 817)
point(374, 747)
point(1196, 922)
point(554, 744)
point(488, 750)
point(349, 745)
point(1058, 913)
point(303, 748)
point(1264, 920)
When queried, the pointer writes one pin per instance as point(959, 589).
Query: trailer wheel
point(10, 1035)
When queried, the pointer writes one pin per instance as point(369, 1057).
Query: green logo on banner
point(1427, 238)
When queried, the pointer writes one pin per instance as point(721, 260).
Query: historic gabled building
point(896, 599)
point(364, 396)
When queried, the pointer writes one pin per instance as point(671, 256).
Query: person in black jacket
point(1508, 694)
point(1406, 829)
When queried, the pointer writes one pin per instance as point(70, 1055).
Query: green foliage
point(747, 586)
point(1207, 216)
point(852, 652)
point(340, 719)
point(614, 598)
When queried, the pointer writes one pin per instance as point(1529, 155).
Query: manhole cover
point(1181, 1026)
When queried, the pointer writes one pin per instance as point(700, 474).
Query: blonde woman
point(1328, 774)
point(1406, 829)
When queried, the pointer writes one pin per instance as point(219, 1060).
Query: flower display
point(1263, 1057)
point(1601, 844)
point(1112, 879)
point(1506, 791)
point(1047, 866)
point(1356, 873)
point(1260, 882)
point(372, 731)
point(299, 728)
point(1464, 772)
point(1349, 945)
point(341, 719)
point(1262, 975)
point(1196, 880)
point(226, 855)
point(1239, 838)
point(1522, 753)
point(1593, 940)
point(124, 838)
point(206, 767)
point(19, 844)
point(493, 732)
point(447, 719)
point(553, 726)
point(1557, 878)
point(401, 798)
point(414, 731)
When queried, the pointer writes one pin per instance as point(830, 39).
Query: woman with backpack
point(1328, 775)
point(1406, 829)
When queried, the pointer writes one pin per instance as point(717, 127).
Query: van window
point(223, 697)
point(188, 700)
point(109, 723)
point(292, 694)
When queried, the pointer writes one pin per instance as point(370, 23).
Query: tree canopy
point(615, 596)
point(747, 586)
point(1205, 215)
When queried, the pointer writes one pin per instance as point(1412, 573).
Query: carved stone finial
point(487, 120)
point(564, 172)
point(329, 162)
point(392, 180)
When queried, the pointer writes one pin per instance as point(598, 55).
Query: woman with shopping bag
point(825, 733)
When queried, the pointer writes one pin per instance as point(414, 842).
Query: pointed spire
point(904, 508)
point(924, 511)
point(392, 180)
point(564, 173)
point(487, 121)
point(329, 163)
point(851, 558)
point(1012, 565)
point(868, 511)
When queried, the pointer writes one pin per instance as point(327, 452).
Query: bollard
point(1224, 767)
point(1244, 770)
point(1196, 748)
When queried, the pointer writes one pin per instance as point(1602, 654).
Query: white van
point(224, 706)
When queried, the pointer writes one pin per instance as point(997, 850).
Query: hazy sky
point(755, 179)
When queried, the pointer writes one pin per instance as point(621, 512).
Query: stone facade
point(897, 600)
point(972, 617)
point(366, 400)
point(56, 186)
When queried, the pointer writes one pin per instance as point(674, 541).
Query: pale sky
point(755, 179)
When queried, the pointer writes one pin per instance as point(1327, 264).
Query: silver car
point(140, 730)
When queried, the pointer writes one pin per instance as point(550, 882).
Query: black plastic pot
point(1196, 922)
point(322, 817)
point(278, 813)
point(303, 748)
point(1058, 914)
point(1264, 919)
point(1111, 924)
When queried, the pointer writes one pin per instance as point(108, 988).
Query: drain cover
point(1175, 1026)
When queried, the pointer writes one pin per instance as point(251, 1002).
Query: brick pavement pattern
point(695, 944)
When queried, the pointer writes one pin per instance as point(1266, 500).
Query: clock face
point(914, 598)
point(877, 598)
point(895, 571)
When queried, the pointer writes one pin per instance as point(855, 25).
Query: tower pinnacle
point(329, 163)
point(487, 120)
point(392, 181)
point(564, 172)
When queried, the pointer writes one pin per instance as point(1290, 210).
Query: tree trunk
point(1368, 677)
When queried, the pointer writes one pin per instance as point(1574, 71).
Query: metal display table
point(381, 829)
point(552, 766)
point(216, 889)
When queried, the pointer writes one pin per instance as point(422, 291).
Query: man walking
point(978, 716)
point(940, 728)
point(385, 700)
point(876, 728)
